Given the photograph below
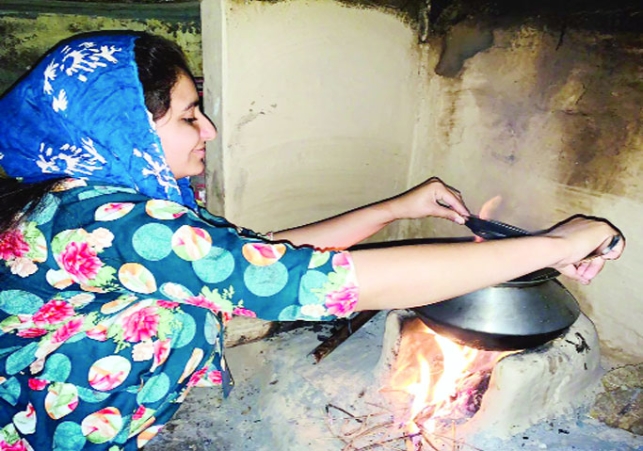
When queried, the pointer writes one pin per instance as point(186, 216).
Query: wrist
point(387, 211)
point(559, 249)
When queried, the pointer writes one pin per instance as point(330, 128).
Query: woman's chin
point(194, 171)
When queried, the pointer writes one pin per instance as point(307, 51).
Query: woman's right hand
point(431, 198)
point(587, 241)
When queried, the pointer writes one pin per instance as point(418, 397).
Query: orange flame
point(438, 375)
point(487, 210)
point(490, 207)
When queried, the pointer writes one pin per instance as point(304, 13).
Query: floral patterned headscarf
point(80, 112)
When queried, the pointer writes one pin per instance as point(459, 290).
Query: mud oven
point(471, 391)
point(443, 395)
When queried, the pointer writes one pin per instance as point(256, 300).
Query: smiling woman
point(184, 130)
point(116, 285)
point(171, 96)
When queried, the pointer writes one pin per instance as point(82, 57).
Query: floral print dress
point(112, 306)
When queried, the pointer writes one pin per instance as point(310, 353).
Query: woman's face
point(184, 130)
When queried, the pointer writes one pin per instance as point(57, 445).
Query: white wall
point(319, 107)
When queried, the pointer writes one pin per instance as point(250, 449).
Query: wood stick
point(340, 335)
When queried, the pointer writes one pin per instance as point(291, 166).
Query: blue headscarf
point(80, 112)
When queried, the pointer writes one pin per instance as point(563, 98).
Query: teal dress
point(113, 304)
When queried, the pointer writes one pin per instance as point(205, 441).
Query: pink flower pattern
point(12, 245)
point(54, 311)
point(98, 333)
point(196, 377)
point(32, 332)
point(141, 324)
point(215, 377)
point(244, 312)
point(37, 384)
point(167, 304)
point(18, 446)
point(202, 301)
point(161, 352)
point(80, 261)
point(67, 330)
point(341, 303)
point(106, 382)
point(342, 260)
point(139, 413)
point(129, 319)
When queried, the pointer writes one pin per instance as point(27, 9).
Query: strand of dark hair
point(160, 62)
point(19, 200)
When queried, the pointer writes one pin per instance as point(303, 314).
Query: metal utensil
point(522, 313)
point(492, 230)
point(504, 317)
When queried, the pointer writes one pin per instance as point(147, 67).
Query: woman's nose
point(208, 130)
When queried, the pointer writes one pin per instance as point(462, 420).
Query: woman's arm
point(431, 198)
point(409, 276)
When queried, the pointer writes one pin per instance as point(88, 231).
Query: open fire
point(348, 402)
point(445, 382)
point(444, 394)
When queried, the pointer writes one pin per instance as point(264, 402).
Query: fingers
point(600, 240)
point(613, 249)
point(589, 238)
point(451, 200)
point(584, 271)
point(454, 200)
point(432, 198)
point(455, 211)
point(587, 270)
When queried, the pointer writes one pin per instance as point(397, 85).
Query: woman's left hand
point(431, 198)
point(592, 241)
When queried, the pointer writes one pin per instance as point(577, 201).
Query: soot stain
point(598, 129)
point(580, 344)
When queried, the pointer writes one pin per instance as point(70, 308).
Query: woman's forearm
point(431, 198)
point(408, 276)
point(342, 231)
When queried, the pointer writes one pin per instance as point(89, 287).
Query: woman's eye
point(190, 120)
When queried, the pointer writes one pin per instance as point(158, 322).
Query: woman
point(116, 286)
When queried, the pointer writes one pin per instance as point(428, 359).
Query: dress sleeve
point(160, 248)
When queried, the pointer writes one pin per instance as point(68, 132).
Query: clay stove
point(506, 393)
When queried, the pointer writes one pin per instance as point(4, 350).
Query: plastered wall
point(554, 129)
point(323, 107)
point(319, 106)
